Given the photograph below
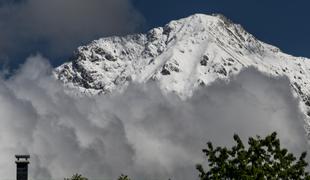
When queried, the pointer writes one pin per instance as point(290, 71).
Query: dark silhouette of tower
point(22, 167)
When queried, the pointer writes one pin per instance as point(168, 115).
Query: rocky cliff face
point(181, 56)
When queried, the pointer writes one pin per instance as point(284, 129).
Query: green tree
point(76, 177)
point(262, 159)
point(123, 177)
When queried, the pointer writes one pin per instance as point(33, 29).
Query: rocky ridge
point(181, 56)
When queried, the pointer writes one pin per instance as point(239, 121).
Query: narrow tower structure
point(22, 167)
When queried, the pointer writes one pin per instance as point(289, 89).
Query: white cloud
point(141, 132)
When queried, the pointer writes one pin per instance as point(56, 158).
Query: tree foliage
point(80, 177)
point(262, 159)
point(76, 177)
point(123, 177)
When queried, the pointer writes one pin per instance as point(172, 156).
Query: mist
point(141, 132)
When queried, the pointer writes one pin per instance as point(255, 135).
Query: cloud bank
point(59, 26)
point(141, 132)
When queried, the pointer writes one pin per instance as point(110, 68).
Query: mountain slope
point(181, 56)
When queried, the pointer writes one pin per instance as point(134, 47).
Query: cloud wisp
point(140, 132)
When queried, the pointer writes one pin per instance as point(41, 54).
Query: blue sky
point(30, 26)
point(284, 23)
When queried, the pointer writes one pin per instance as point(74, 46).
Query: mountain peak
point(181, 56)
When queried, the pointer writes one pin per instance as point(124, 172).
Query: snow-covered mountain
point(181, 56)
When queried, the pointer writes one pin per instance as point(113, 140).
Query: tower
point(22, 167)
